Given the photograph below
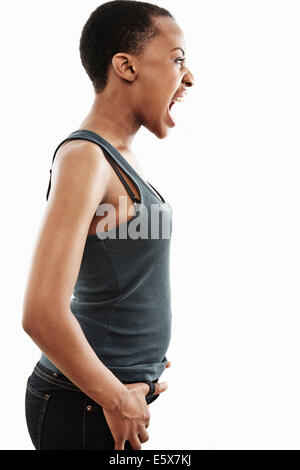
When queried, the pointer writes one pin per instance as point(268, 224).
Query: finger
point(168, 364)
point(160, 387)
point(135, 443)
point(143, 435)
point(119, 444)
point(147, 419)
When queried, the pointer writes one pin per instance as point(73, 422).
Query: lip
point(170, 117)
point(180, 94)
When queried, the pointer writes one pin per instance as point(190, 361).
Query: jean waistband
point(60, 379)
point(53, 377)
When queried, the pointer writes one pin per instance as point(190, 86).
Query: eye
point(180, 60)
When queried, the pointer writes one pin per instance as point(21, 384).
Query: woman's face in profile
point(162, 73)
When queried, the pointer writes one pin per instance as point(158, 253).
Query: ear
point(124, 66)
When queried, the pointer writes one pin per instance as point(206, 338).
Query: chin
point(164, 132)
point(161, 132)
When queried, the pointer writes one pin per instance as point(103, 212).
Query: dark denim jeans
point(61, 417)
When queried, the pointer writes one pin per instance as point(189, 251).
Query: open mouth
point(173, 101)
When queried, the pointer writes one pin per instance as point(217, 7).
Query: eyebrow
point(178, 48)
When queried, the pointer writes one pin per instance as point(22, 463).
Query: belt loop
point(152, 387)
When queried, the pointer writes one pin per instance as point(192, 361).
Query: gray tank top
point(122, 297)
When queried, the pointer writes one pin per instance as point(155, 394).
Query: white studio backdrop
point(230, 169)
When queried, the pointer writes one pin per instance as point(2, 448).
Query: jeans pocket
point(35, 408)
point(96, 431)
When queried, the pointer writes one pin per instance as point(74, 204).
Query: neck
point(112, 117)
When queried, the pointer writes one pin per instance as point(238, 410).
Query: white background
point(230, 169)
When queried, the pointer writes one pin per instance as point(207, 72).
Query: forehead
point(171, 35)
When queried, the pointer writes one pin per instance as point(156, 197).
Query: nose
point(188, 78)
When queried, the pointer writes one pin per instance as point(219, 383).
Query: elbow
point(28, 323)
point(33, 321)
point(41, 320)
point(36, 326)
point(30, 316)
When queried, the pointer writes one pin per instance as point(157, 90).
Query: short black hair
point(116, 26)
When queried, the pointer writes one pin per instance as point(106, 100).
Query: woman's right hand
point(129, 422)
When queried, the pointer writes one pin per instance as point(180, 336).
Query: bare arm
point(79, 180)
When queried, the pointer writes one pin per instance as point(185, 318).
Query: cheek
point(157, 85)
point(158, 75)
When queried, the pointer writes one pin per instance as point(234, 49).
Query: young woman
point(106, 231)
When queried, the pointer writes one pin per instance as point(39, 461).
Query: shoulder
point(80, 153)
point(78, 165)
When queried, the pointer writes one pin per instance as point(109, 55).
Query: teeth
point(179, 100)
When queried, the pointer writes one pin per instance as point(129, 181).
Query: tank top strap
point(119, 174)
point(156, 191)
point(108, 152)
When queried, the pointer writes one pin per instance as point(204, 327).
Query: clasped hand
point(130, 420)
